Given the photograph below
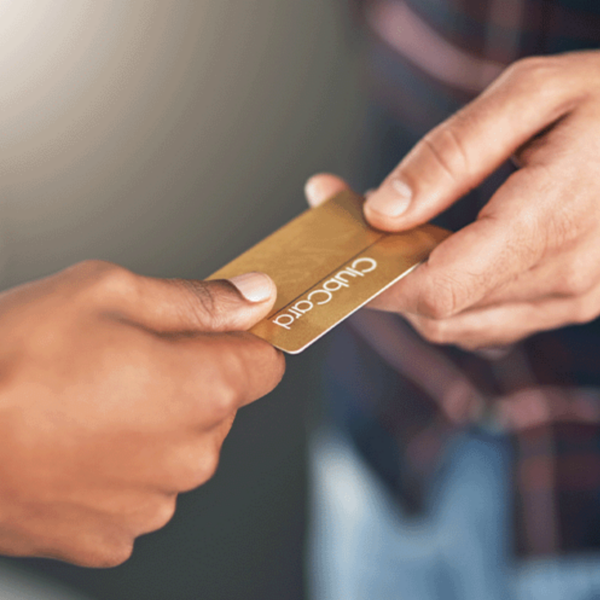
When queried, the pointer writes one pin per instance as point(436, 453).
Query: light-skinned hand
point(116, 392)
point(531, 259)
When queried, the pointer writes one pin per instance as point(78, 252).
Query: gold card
point(327, 263)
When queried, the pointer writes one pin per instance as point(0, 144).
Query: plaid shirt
point(405, 399)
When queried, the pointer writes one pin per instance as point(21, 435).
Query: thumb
point(258, 294)
point(187, 305)
point(461, 152)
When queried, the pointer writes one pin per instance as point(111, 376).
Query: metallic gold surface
point(327, 263)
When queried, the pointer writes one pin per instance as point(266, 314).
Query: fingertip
point(390, 224)
point(381, 222)
point(323, 186)
point(386, 207)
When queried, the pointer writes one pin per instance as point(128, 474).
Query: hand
point(116, 392)
point(531, 259)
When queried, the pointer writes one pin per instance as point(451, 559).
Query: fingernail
point(255, 287)
point(311, 191)
point(391, 201)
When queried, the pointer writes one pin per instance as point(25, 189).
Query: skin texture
point(116, 393)
point(531, 260)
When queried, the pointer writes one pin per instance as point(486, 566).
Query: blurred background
point(169, 136)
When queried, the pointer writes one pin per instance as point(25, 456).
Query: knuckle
point(184, 469)
point(236, 374)
point(263, 375)
point(540, 74)
point(239, 373)
point(161, 515)
point(224, 400)
point(532, 70)
point(111, 282)
point(93, 266)
point(438, 306)
point(583, 311)
point(107, 554)
point(447, 149)
point(198, 472)
point(117, 553)
point(209, 464)
point(574, 283)
point(433, 331)
point(440, 302)
point(526, 66)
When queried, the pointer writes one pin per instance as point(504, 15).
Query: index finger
point(461, 152)
point(224, 371)
point(468, 265)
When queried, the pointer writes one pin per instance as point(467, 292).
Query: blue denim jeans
point(362, 546)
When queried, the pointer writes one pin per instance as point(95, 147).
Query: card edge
point(391, 283)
